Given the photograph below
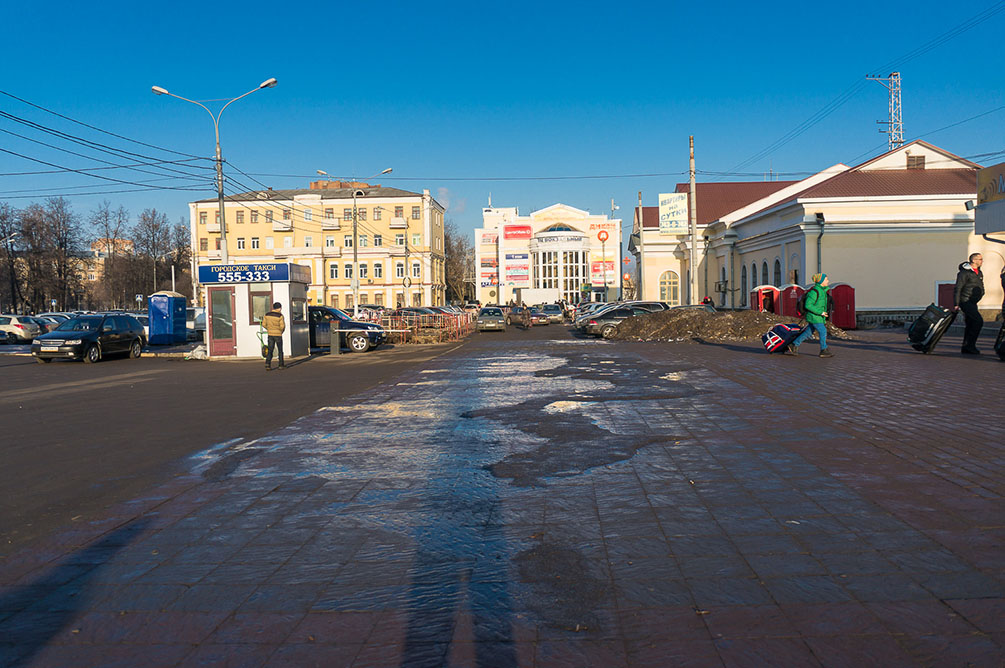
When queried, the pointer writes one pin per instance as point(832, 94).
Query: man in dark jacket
point(969, 290)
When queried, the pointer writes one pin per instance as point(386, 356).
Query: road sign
point(603, 235)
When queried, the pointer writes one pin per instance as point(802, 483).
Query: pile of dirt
point(701, 325)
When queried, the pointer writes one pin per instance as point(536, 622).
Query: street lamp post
point(268, 83)
point(355, 230)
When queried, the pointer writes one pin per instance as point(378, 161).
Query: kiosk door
point(222, 340)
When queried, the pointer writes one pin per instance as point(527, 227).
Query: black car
point(91, 338)
point(606, 323)
point(357, 336)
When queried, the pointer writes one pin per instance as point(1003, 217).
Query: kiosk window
point(298, 310)
point(261, 302)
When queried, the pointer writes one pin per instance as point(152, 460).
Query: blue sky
point(445, 91)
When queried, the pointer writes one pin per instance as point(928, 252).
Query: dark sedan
point(357, 336)
point(606, 323)
point(90, 338)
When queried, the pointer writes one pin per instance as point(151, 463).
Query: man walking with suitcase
point(816, 316)
point(969, 290)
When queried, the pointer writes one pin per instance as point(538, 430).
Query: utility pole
point(895, 124)
point(355, 253)
point(642, 253)
point(693, 218)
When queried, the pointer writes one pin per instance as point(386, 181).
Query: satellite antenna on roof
point(895, 126)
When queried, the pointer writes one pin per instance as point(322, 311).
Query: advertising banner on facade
point(989, 217)
point(489, 238)
point(490, 262)
point(602, 269)
point(518, 270)
point(516, 232)
point(489, 278)
point(673, 213)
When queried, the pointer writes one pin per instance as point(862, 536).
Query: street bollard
point(334, 346)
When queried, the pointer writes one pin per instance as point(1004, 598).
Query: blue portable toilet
point(167, 318)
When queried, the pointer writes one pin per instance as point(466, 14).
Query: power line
point(481, 178)
point(832, 106)
point(94, 169)
point(119, 153)
point(92, 127)
point(102, 192)
point(92, 185)
point(94, 176)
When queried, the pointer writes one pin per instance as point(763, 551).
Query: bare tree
point(10, 285)
point(111, 226)
point(459, 260)
point(152, 238)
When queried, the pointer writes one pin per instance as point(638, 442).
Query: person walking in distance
point(815, 305)
point(275, 325)
point(969, 290)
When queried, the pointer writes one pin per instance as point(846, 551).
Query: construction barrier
point(419, 328)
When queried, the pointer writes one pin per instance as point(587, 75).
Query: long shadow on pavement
point(34, 613)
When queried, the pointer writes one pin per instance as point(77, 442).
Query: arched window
point(778, 274)
point(753, 276)
point(743, 286)
point(670, 288)
point(764, 273)
point(722, 293)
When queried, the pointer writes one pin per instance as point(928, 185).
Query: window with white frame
point(363, 271)
point(254, 242)
point(329, 213)
point(376, 213)
point(399, 239)
point(348, 271)
point(329, 241)
point(378, 240)
point(378, 270)
point(269, 243)
point(363, 241)
point(346, 214)
point(361, 213)
point(416, 270)
point(347, 241)
point(333, 271)
point(202, 217)
point(240, 217)
point(287, 242)
point(240, 243)
point(307, 215)
point(308, 241)
point(417, 239)
point(254, 216)
point(416, 212)
point(399, 270)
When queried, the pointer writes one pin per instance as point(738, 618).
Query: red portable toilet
point(764, 298)
point(843, 314)
point(788, 298)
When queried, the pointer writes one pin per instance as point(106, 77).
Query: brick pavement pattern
point(563, 503)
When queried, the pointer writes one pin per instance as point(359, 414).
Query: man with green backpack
point(814, 306)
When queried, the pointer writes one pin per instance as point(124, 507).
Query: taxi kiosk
point(237, 297)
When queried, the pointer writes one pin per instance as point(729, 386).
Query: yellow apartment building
point(398, 240)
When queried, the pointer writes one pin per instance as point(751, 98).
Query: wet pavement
point(537, 499)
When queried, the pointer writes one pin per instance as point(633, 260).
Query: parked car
point(491, 318)
point(44, 325)
point(58, 317)
point(355, 335)
point(195, 322)
point(606, 323)
point(90, 338)
point(415, 316)
point(554, 312)
point(19, 328)
point(539, 317)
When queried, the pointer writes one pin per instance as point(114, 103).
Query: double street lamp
point(356, 192)
point(268, 83)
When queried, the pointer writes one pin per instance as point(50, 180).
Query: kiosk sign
point(253, 273)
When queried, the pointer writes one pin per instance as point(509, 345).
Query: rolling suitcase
point(1000, 343)
point(780, 336)
point(927, 330)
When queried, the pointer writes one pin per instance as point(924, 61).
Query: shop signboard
point(518, 270)
point(603, 271)
point(490, 262)
point(489, 238)
point(989, 218)
point(488, 278)
point(673, 213)
point(516, 232)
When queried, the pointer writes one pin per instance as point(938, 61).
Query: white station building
point(558, 252)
